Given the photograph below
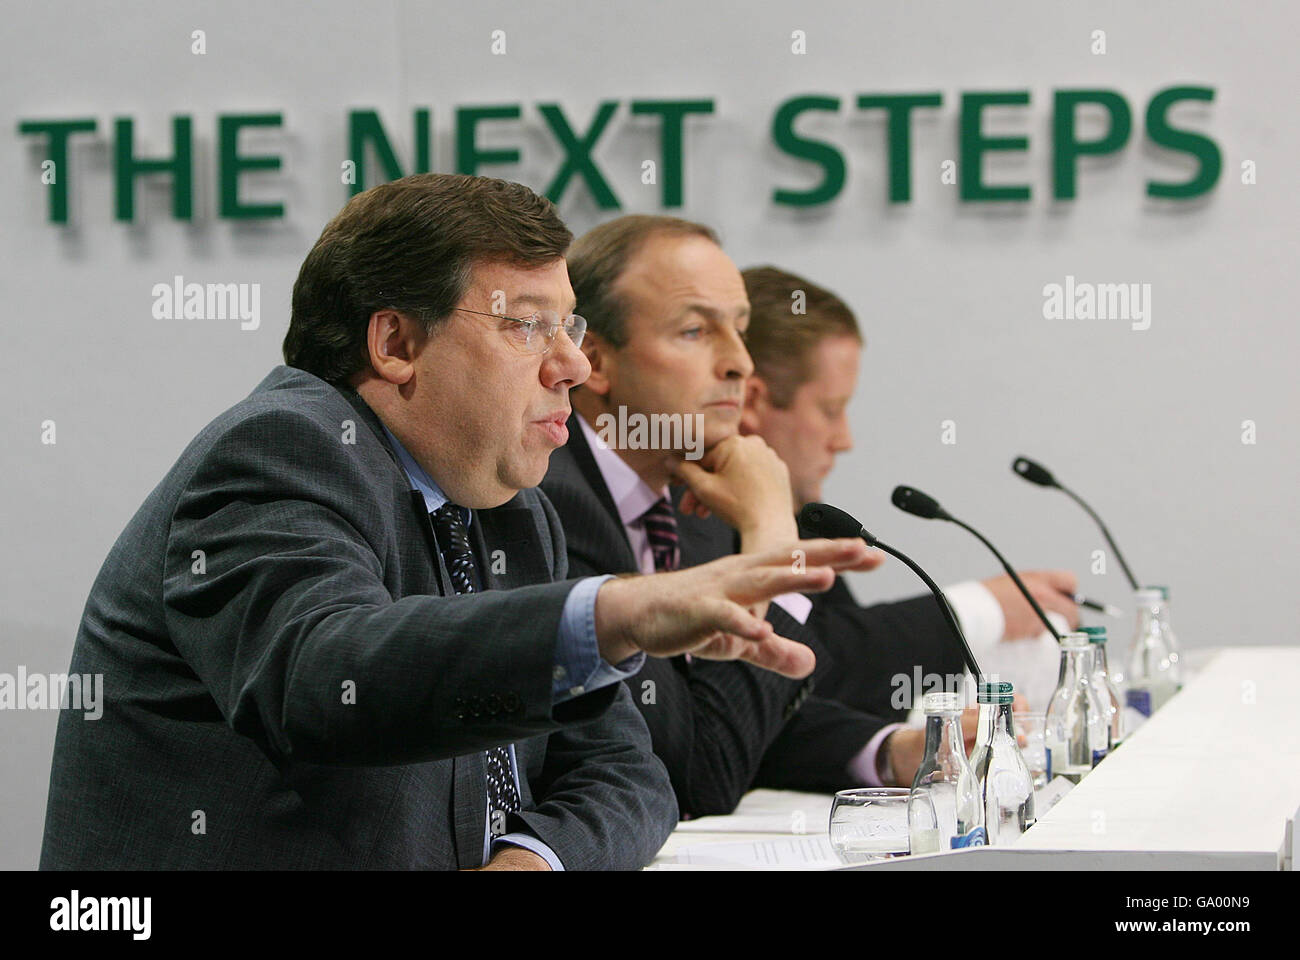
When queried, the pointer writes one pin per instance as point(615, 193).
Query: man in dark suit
point(339, 632)
point(669, 312)
point(805, 372)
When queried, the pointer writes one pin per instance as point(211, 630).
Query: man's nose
point(734, 361)
point(564, 363)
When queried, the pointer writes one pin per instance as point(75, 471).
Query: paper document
point(810, 853)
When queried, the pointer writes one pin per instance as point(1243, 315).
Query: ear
point(603, 364)
point(393, 341)
point(755, 405)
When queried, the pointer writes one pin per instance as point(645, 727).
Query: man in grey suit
point(338, 634)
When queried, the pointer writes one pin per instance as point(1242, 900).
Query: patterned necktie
point(449, 528)
point(660, 523)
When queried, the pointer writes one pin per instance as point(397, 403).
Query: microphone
point(1039, 474)
point(823, 520)
point(913, 501)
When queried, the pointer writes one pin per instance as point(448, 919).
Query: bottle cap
point(1074, 641)
point(1148, 596)
point(937, 703)
point(1095, 634)
point(994, 691)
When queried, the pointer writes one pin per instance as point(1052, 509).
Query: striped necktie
point(453, 540)
point(660, 523)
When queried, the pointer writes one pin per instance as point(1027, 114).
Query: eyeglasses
point(536, 333)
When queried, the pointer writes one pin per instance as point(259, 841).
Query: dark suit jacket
point(720, 728)
point(291, 683)
point(867, 647)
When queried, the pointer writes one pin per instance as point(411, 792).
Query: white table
point(1212, 781)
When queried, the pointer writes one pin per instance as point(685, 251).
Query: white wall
point(1146, 424)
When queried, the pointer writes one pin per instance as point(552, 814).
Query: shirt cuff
point(862, 768)
point(579, 667)
point(529, 842)
point(795, 604)
point(979, 614)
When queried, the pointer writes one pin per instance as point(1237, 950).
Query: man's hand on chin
point(743, 481)
point(515, 858)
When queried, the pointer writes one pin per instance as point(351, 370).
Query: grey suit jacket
point(290, 681)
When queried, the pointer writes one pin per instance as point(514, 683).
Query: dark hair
point(409, 246)
point(780, 340)
point(598, 257)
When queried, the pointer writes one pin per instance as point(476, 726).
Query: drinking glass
point(869, 823)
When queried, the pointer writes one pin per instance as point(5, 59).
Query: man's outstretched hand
point(703, 610)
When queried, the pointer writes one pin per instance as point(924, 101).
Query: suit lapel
point(586, 462)
point(506, 556)
point(372, 422)
point(425, 523)
point(604, 538)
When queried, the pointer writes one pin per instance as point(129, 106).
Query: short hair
point(780, 340)
point(410, 246)
point(599, 256)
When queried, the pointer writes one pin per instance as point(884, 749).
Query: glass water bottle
point(1005, 784)
point(944, 810)
point(1152, 674)
point(1171, 640)
point(1077, 731)
point(1106, 689)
